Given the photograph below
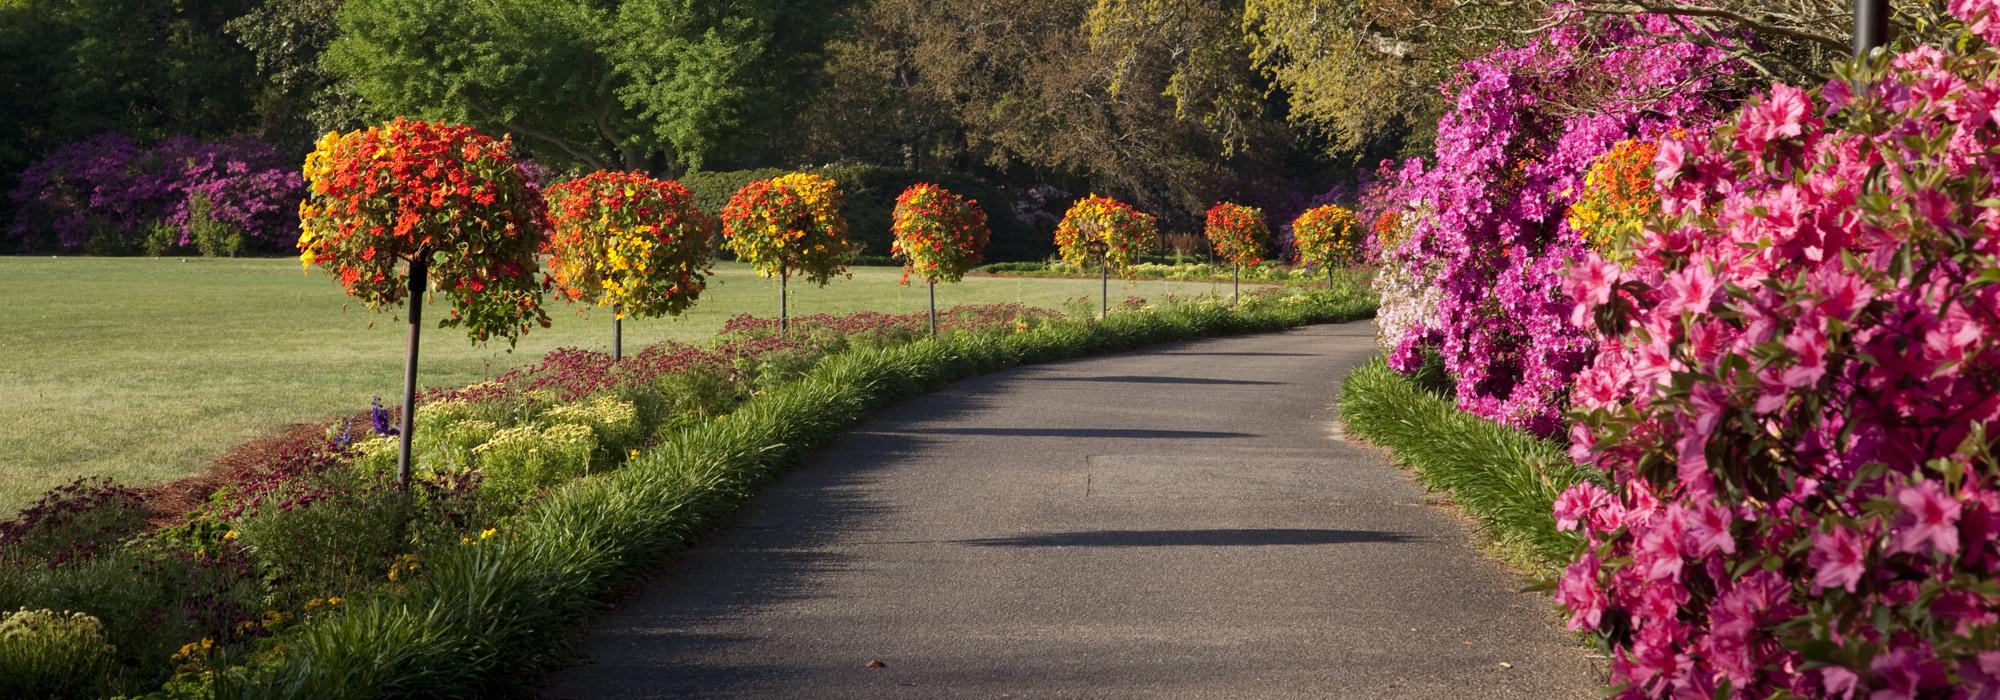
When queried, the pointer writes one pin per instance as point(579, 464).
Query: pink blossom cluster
point(1794, 385)
point(1479, 276)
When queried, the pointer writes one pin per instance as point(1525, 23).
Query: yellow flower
point(488, 533)
point(229, 536)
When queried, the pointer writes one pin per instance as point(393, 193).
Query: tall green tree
point(640, 84)
point(299, 99)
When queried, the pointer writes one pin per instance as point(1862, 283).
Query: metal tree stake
point(1235, 283)
point(784, 279)
point(933, 286)
point(419, 282)
point(617, 332)
point(1871, 25)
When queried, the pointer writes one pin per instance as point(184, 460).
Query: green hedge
point(486, 616)
point(1506, 479)
point(871, 200)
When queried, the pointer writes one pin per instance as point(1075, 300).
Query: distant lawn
point(145, 369)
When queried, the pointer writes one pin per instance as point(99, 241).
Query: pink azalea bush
point(1489, 238)
point(1793, 389)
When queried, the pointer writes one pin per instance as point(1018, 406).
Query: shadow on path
point(1237, 537)
point(1130, 433)
point(1136, 379)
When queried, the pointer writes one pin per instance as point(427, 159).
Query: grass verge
point(486, 616)
point(1505, 479)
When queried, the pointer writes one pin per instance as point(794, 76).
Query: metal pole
point(1235, 283)
point(617, 332)
point(419, 282)
point(1104, 293)
point(933, 308)
point(1871, 25)
point(784, 280)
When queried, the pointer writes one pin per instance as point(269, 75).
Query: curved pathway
point(1183, 521)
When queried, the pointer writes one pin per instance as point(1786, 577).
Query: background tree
point(630, 242)
point(397, 210)
point(789, 225)
point(638, 84)
point(939, 235)
point(299, 99)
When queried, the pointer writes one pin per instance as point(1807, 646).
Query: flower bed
point(534, 492)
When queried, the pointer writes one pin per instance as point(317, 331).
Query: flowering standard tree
point(1796, 397)
point(1106, 233)
point(1327, 236)
point(410, 206)
point(1239, 235)
point(631, 242)
point(939, 235)
point(789, 225)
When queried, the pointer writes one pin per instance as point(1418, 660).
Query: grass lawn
point(145, 369)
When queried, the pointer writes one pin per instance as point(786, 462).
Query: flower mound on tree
point(1489, 238)
point(1796, 393)
point(789, 225)
point(1238, 233)
point(441, 192)
point(939, 234)
point(1329, 236)
point(628, 241)
point(1099, 230)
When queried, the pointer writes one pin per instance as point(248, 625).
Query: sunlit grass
point(145, 369)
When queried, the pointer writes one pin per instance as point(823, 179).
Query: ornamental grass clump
point(398, 210)
point(789, 225)
point(45, 654)
point(630, 242)
point(939, 235)
point(1240, 236)
point(1106, 234)
point(1797, 394)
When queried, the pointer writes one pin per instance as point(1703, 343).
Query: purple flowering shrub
point(1478, 275)
point(1796, 382)
point(108, 194)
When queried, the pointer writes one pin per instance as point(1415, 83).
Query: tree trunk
point(419, 281)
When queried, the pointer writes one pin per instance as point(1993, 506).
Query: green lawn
point(145, 369)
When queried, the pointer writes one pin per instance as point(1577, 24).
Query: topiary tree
point(789, 225)
point(1328, 236)
point(412, 206)
point(1239, 235)
point(1105, 232)
point(628, 241)
point(939, 235)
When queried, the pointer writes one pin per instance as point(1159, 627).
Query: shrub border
point(486, 617)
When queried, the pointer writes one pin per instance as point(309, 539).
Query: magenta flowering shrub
point(1795, 391)
point(1489, 237)
point(106, 193)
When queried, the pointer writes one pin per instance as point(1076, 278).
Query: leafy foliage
point(1328, 235)
point(1238, 233)
point(444, 194)
point(939, 234)
point(629, 241)
point(789, 225)
point(1101, 232)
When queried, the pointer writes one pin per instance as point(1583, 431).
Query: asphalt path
point(1180, 522)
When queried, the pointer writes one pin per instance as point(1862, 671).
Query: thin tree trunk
point(617, 332)
point(419, 281)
